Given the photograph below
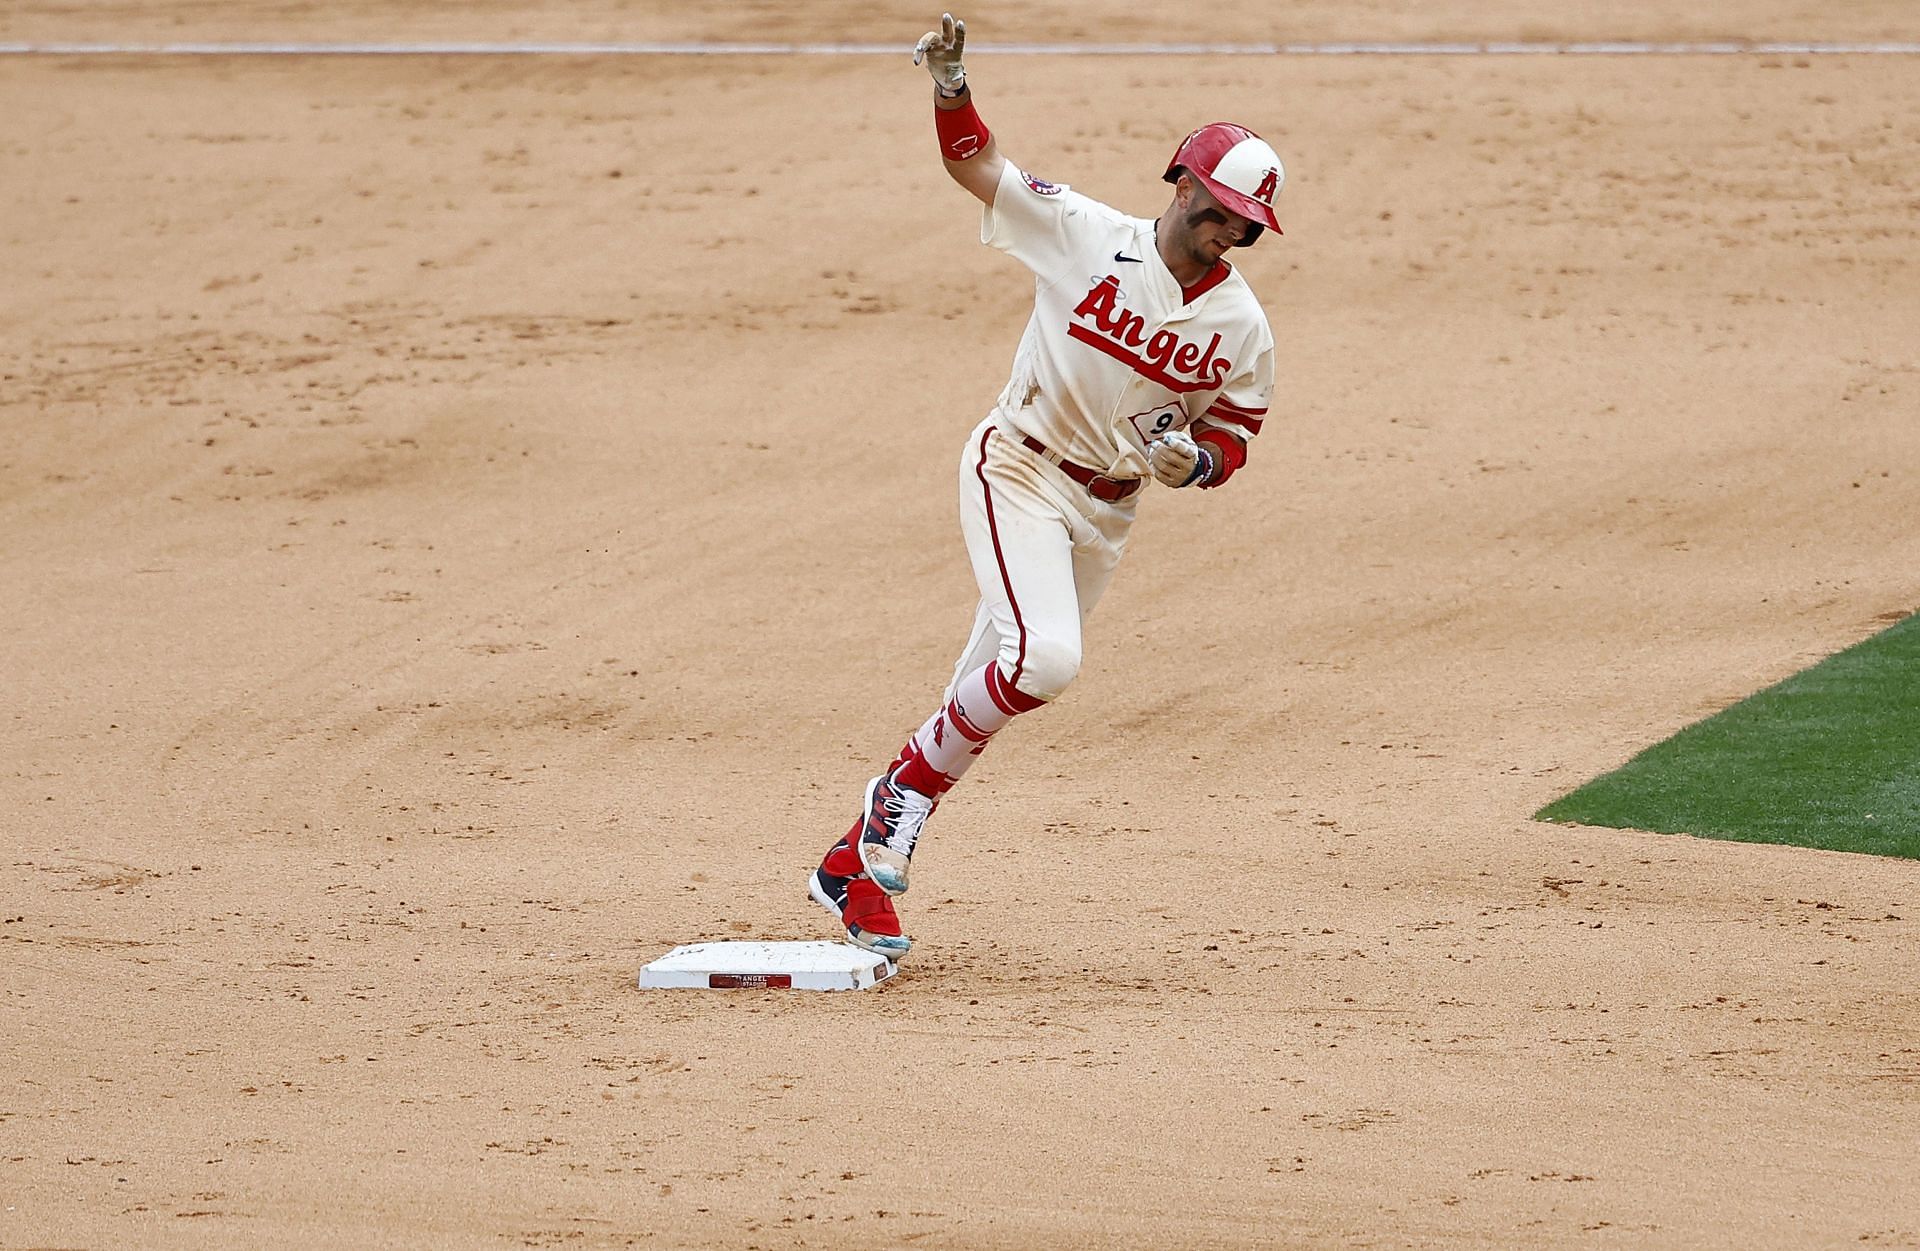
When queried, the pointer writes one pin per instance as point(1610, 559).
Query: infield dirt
point(469, 525)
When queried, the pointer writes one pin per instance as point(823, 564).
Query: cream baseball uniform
point(1118, 362)
point(1115, 354)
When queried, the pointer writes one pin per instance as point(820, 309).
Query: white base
point(783, 966)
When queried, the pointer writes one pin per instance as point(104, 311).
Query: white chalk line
point(1514, 48)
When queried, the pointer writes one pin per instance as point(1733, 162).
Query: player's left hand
point(940, 50)
point(1177, 461)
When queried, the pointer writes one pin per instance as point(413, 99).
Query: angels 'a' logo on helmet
point(1268, 187)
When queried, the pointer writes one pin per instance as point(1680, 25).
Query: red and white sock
point(944, 748)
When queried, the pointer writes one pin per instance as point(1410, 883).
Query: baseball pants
point(1043, 551)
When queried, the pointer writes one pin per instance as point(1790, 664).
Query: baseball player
point(1147, 357)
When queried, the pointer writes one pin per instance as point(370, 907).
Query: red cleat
point(840, 886)
point(890, 829)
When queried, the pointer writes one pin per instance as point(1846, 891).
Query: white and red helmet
point(1238, 168)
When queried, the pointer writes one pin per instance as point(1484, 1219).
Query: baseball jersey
point(1116, 353)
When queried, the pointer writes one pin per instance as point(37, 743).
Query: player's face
point(1211, 227)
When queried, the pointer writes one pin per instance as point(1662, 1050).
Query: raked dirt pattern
point(469, 526)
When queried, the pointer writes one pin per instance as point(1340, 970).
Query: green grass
point(1828, 758)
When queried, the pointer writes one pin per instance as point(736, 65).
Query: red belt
point(1098, 485)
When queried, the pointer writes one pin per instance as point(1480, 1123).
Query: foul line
point(1517, 48)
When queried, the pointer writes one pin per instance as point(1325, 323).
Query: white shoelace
point(906, 813)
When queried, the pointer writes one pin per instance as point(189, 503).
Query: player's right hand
point(940, 50)
point(1177, 461)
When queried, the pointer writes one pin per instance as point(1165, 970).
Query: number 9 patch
point(1158, 421)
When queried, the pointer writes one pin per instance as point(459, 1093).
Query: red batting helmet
point(1238, 167)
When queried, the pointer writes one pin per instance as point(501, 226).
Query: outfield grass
point(1828, 758)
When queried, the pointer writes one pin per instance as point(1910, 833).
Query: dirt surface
point(902, 21)
point(469, 526)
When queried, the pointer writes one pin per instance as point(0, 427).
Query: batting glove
point(1177, 461)
point(940, 49)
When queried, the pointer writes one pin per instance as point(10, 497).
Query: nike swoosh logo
point(1134, 259)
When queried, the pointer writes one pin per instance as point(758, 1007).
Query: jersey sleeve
point(1032, 220)
point(1236, 414)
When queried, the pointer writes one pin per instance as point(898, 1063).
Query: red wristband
point(1229, 454)
point(963, 135)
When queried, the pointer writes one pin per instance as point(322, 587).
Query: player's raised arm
point(971, 156)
